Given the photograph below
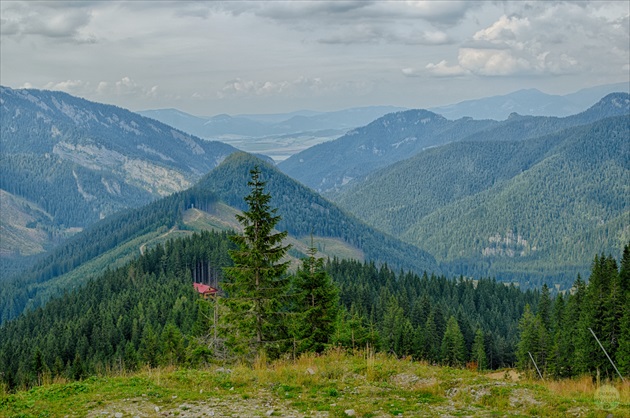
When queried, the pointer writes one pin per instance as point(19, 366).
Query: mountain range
point(67, 162)
point(331, 166)
point(527, 211)
point(211, 204)
point(273, 124)
point(527, 199)
point(529, 102)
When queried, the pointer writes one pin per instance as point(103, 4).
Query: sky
point(208, 58)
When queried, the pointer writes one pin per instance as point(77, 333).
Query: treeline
point(559, 336)
point(409, 315)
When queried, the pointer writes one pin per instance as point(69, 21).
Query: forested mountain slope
point(330, 166)
point(521, 211)
point(79, 161)
point(303, 212)
point(146, 312)
point(393, 137)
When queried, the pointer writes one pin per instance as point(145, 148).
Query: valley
point(446, 242)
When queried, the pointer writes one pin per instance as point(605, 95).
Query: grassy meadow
point(336, 384)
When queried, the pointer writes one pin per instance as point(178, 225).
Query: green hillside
point(203, 207)
point(523, 211)
point(305, 212)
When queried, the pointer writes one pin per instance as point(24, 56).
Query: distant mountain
point(527, 211)
point(330, 166)
point(396, 136)
point(529, 102)
point(265, 125)
point(71, 162)
point(205, 206)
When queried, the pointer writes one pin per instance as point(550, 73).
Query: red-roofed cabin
point(205, 290)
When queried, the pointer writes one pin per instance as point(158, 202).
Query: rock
point(350, 412)
point(310, 371)
point(157, 409)
point(118, 415)
point(269, 413)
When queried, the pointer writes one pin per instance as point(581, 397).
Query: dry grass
point(372, 384)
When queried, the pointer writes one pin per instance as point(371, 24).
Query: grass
point(336, 384)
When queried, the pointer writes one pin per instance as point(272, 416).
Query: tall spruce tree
point(478, 354)
point(257, 285)
point(317, 303)
point(453, 345)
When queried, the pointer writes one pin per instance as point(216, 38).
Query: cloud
point(558, 39)
point(123, 87)
point(57, 20)
point(239, 87)
point(360, 22)
point(442, 69)
point(375, 34)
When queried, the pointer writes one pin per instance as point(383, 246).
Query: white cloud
point(442, 69)
point(123, 87)
point(239, 87)
point(558, 39)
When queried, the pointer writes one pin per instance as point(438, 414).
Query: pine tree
point(622, 356)
point(257, 286)
point(317, 302)
point(453, 347)
point(479, 351)
point(531, 329)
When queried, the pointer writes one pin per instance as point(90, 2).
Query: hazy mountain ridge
point(333, 165)
point(529, 102)
point(514, 209)
point(81, 161)
point(253, 125)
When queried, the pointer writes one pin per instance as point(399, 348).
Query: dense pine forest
point(561, 335)
point(148, 313)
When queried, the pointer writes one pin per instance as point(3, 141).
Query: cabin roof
point(204, 289)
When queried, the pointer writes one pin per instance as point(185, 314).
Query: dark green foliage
point(478, 352)
point(453, 349)
point(316, 303)
point(257, 284)
point(143, 313)
point(410, 312)
point(37, 284)
point(562, 344)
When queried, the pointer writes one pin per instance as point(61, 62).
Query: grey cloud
point(48, 19)
point(373, 34)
